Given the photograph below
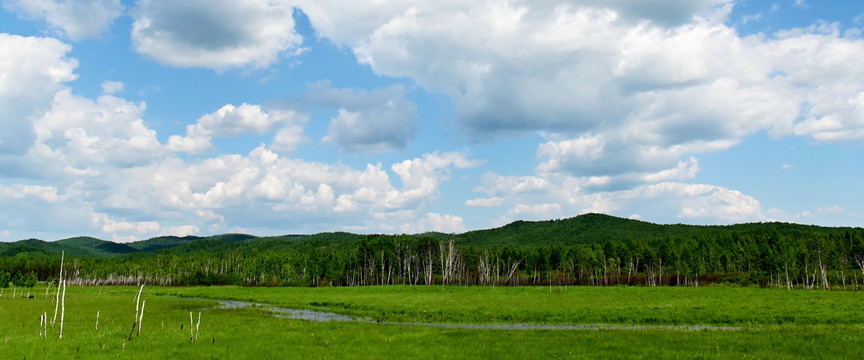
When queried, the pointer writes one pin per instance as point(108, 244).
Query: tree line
point(758, 258)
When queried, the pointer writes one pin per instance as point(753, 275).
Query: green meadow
point(628, 322)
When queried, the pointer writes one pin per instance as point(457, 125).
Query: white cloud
point(563, 196)
point(535, 211)
point(77, 19)
point(751, 18)
point(85, 135)
point(264, 189)
point(32, 71)
point(95, 167)
point(368, 120)
point(702, 202)
point(112, 87)
point(619, 88)
point(233, 120)
point(214, 34)
point(834, 215)
point(488, 202)
point(421, 176)
point(46, 194)
point(287, 139)
point(436, 222)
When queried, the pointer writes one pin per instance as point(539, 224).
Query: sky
point(126, 120)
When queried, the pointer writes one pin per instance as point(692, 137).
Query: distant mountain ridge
point(586, 228)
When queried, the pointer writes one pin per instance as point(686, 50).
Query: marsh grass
point(780, 324)
point(572, 305)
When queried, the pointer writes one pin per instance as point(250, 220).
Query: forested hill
point(582, 229)
point(599, 228)
point(590, 249)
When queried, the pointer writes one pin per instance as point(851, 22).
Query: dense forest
point(590, 249)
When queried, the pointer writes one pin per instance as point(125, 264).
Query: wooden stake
point(59, 283)
point(191, 328)
point(196, 326)
point(97, 320)
point(135, 319)
point(41, 322)
point(63, 309)
point(141, 319)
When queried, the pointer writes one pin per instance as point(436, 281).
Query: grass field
point(776, 323)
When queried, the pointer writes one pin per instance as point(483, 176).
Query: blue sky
point(126, 120)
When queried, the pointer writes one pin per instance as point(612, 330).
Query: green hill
point(582, 229)
point(52, 248)
point(599, 228)
point(588, 228)
point(162, 242)
point(98, 247)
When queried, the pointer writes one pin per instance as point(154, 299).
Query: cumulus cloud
point(263, 189)
point(77, 19)
point(214, 34)
point(233, 120)
point(367, 120)
point(170, 195)
point(287, 139)
point(97, 168)
point(32, 71)
point(82, 136)
point(619, 88)
point(20, 191)
point(537, 198)
point(436, 222)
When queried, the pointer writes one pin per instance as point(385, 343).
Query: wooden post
point(196, 326)
point(141, 319)
point(63, 309)
point(191, 329)
point(59, 283)
point(135, 319)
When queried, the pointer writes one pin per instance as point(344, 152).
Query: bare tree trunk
point(63, 309)
point(824, 272)
point(59, 282)
point(197, 327)
point(513, 270)
point(135, 318)
point(191, 328)
point(141, 319)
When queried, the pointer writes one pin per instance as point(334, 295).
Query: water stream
point(310, 315)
